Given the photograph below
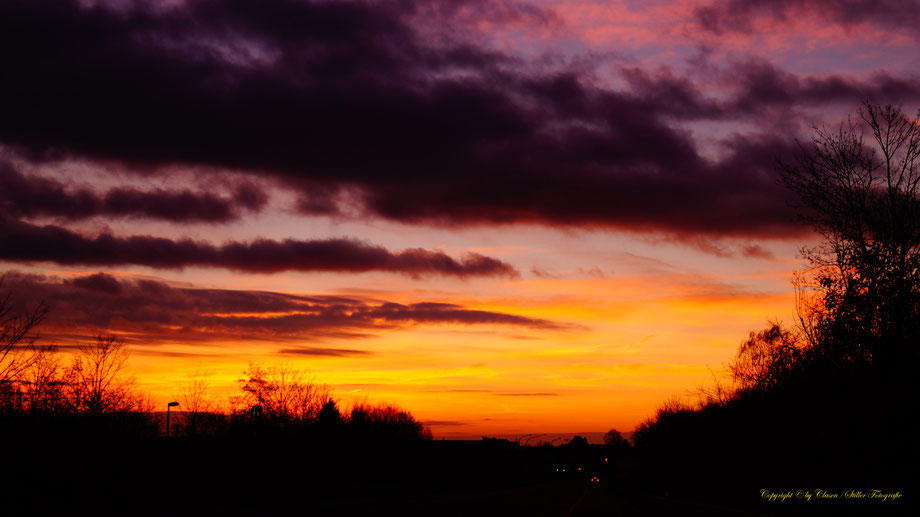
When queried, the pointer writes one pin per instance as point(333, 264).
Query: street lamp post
point(171, 404)
point(532, 437)
point(522, 437)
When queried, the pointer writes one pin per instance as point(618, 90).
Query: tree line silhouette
point(94, 382)
point(80, 424)
point(830, 401)
point(273, 399)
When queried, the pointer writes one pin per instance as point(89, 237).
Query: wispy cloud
point(150, 311)
point(534, 394)
point(324, 352)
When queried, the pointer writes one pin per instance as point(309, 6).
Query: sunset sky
point(506, 217)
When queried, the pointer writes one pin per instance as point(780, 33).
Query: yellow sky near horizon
point(623, 343)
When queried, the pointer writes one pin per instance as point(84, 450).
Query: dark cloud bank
point(22, 195)
point(153, 311)
point(26, 242)
point(396, 108)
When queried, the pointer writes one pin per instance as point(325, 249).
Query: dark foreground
point(284, 476)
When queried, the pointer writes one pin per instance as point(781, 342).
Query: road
point(564, 498)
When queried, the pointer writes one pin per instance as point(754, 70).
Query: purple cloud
point(153, 311)
point(26, 242)
point(23, 195)
point(370, 104)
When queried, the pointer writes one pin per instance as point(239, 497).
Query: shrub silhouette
point(385, 421)
point(766, 359)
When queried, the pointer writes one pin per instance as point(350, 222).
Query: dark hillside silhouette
point(830, 403)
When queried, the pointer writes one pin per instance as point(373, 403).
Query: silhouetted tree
point(615, 440)
point(329, 416)
point(17, 341)
point(200, 409)
point(43, 382)
point(863, 196)
point(96, 381)
point(286, 395)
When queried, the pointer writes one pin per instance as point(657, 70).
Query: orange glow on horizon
point(623, 346)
